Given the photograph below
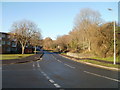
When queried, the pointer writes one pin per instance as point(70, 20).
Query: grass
point(111, 59)
point(101, 63)
point(103, 59)
point(13, 56)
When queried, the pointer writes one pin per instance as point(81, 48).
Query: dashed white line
point(59, 61)
point(102, 76)
point(44, 74)
point(56, 59)
point(64, 64)
point(38, 64)
point(69, 66)
point(51, 81)
point(57, 86)
point(47, 77)
point(40, 58)
point(33, 65)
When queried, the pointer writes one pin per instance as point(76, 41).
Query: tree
point(35, 39)
point(86, 22)
point(63, 42)
point(22, 31)
point(47, 42)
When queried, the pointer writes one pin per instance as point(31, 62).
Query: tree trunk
point(23, 48)
point(89, 46)
point(35, 50)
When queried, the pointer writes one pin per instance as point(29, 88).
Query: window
point(0, 43)
point(14, 39)
point(8, 49)
point(3, 35)
point(3, 42)
point(8, 36)
point(14, 44)
point(8, 42)
point(13, 49)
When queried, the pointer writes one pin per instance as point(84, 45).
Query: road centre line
point(69, 66)
point(59, 61)
point(47, 77)
point(44, 74)
point(56, 59)
point(38, 65)
point(102, 76)
point(56, 85)
point(51, 80)
point(64, 64)
point(33, 65)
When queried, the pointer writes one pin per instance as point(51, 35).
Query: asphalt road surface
point(55, 71)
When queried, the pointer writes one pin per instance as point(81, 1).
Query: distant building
point(6, 44)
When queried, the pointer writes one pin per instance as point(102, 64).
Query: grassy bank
point(13, 56)
point(110, 59)
point(102, 63)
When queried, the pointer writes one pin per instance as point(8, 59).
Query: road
point(55, 71)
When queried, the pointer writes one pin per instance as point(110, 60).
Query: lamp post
point(114, 40)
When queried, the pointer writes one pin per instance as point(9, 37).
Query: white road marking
point(51, 81)
point(69, 66)
point(47, 77)
point(56, 85)
point(58, 60)
point(38, 64)
point(33, 65)
point(102, 76)
point(44, 74)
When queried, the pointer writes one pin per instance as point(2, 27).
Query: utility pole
point(114, 40)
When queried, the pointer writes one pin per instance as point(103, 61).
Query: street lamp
point(114, 40)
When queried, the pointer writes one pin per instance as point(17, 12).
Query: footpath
point(23, 60)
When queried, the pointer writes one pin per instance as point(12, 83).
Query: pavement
point(23, 60)
point(55, 71)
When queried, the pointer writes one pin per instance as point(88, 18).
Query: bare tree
point(47, 43)
point(35, 40)
point(86, 22)
point(22, 31)
point(62, 42)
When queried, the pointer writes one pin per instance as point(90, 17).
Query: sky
point(53, 18)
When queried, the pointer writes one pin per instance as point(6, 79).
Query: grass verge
point(111, 59)
point(13, 56)
point(102, 63)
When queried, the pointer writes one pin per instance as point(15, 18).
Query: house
point(6, 44)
